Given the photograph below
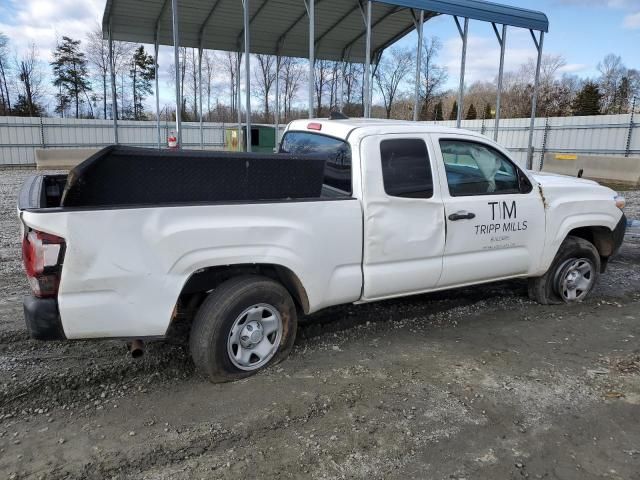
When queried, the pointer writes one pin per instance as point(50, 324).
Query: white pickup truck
point(404, 208)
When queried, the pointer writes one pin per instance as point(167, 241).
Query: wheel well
point(601, 237)
point(207, 279)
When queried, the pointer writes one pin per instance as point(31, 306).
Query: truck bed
point(127, 177)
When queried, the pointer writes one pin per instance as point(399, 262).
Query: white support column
point(247, 73)
point(239, 100)
point(176, 55)
point(416, 100)
point(311, 13)
point(503, 43)
point(367, 64)
point(276, 115)
point(464, 35)
point(114, 95)
point(200, 96)
point(534, 100)
point(156, 49)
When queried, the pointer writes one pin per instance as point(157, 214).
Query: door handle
point(461, 215)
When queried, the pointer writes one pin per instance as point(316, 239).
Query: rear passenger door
point(403, 216)
point(495, 219)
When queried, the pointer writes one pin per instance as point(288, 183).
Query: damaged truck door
point(404, 220)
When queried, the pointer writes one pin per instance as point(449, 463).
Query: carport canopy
point(339, 30)
point(279, 26)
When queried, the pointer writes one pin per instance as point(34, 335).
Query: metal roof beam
point(295, 23)
point(404, 32)
point(498, 36)
point(253, 17)
point(394, 39)
point(157, 24)
point(364, 32)
point(206, 20)
point(336, 24)
point(535, 40)
point(480, 10)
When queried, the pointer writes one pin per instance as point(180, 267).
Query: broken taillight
point(42, 256)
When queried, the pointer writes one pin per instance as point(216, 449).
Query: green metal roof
point(281, 26)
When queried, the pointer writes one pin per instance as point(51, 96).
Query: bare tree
point(612, 71)
point(30, 77)
point(390, 74)
point(5, 99)
point(208, 61)
point(333, 84)
point(432, 76)
point(192, 66)
point(183, 60)
point(552, 93)
point(291, 72)
point(265, 77)
point(351, 75)
point(231, 67)
point(322, 80)
point(97, 52)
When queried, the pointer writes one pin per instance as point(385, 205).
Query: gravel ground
point(475, 383)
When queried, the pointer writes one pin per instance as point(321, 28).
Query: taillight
point(42, 256)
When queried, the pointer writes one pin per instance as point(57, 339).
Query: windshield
point(337, 172)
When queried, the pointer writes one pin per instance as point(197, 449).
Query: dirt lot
point(477, 383)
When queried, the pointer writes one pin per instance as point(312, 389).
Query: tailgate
point(41, 191)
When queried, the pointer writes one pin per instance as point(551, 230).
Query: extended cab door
point(403, 216)
point(495, 218)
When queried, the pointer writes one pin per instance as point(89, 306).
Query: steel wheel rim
point(254, 337)
point(575, 279)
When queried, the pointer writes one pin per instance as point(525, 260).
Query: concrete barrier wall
point(623, 170)
point(62, 158)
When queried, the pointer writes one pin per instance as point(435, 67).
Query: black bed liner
point(119, 175)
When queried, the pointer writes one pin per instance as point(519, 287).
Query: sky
point(582, 31)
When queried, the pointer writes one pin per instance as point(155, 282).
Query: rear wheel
point(572, 275)
point(244, 325)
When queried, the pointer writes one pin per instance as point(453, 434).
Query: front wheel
point(244, 325)
point(572, 275)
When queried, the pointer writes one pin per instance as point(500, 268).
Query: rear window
point(337, 173)
point(406, 171)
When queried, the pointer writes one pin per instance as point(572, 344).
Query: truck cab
point(445, 207)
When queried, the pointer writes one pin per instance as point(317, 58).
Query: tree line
point(77, 83)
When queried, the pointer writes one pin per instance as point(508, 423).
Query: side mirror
point(524, 183)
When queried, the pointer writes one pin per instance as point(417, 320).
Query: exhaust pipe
point(136, 348)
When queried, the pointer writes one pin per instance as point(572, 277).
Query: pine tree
point(142, 72)
point(587, 101)
point(623, 93)
point(471, 113)
point(24, 108)
point(487, 112)
point(454, 111)
point(438, 114)
point(70, 74)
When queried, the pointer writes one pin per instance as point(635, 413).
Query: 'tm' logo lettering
point(502, 210)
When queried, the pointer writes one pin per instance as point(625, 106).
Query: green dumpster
point(263, 139)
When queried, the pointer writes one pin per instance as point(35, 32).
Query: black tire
point(545, 289)
point(213, 323)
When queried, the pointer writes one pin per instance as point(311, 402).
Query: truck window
point(477, 169)
point(337, 172)
point(406, 171)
